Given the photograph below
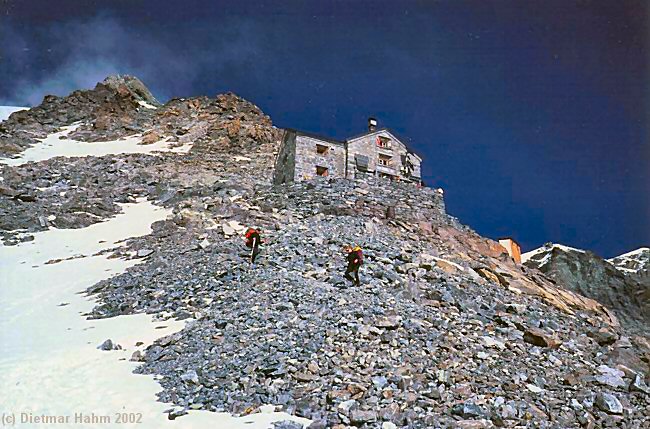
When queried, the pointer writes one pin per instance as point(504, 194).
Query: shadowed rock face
point(621, 284)
point(445, 331)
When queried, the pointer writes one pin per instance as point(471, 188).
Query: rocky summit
point(635, 263)
point(445, 330)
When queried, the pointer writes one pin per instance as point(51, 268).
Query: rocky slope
point(621, 284)
point(446, 330)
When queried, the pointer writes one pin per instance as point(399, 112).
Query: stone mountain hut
point(377, 152)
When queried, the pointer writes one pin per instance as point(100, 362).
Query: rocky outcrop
point(117, 107)
point(6, 111)
point(445, 331)
point(64, 194)
point(617, 284)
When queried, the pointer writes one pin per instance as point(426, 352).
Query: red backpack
point(250, 234)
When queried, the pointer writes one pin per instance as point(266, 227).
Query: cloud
point(62, 57)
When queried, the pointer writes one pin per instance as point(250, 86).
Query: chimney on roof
point(372, 124)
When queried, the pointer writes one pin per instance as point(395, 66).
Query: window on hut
point(383, 142)
point(384, 160)
point(407, 165)
point(321, 171)
point(362, 162)
point(322, 149)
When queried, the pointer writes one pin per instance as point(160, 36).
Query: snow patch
point(533, 254)
point(547, 249)
point(627, 270)
point(146, 105)
point(57, 144)
point(545, 260)
point(528, 255)
point(632, 262)
point(567, 248)
point(633, 254)
point(50, 363)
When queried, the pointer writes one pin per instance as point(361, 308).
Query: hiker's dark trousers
point(352, 269)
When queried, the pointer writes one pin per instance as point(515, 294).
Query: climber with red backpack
point(253, 241)
point(355, 260)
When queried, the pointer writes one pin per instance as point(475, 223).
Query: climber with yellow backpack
point(355, 260)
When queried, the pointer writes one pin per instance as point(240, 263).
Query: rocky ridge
point(116, 107)
point(446, 330)
point(636, 262)
point(63, 194)
point(621, 284)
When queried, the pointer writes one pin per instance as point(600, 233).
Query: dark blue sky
point(533, 116)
